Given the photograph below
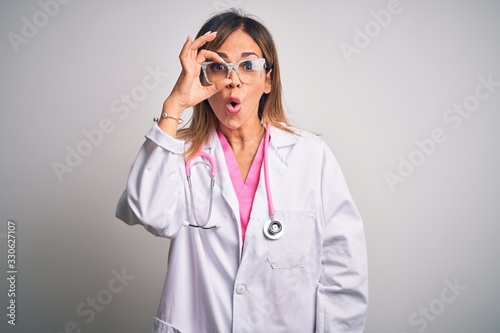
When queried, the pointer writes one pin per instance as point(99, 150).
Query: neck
point(243, 137)
point(252, 138)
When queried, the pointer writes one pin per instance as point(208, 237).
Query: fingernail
point(207, 33)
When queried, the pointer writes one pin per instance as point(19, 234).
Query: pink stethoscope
point(273, 229)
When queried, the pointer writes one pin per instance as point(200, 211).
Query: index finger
point(202, 40)
point(205, 55)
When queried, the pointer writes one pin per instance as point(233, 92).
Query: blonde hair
point(203, 123)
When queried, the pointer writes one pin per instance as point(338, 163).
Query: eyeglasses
point(248, 70)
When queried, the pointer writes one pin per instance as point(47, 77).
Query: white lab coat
point(312, 279)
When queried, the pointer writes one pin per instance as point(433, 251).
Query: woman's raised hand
point(188, 90)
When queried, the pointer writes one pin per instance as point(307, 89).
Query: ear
point(269, 82)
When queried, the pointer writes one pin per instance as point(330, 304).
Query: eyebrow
point(243, 55)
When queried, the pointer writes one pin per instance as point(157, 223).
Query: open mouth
point(233, 105)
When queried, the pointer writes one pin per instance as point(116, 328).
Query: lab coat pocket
point(293, 249)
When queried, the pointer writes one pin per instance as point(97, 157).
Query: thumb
point(215, 88)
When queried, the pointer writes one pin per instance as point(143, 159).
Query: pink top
point(245, 189)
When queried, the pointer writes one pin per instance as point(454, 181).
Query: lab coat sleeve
point(342, 295)
point(154, 196)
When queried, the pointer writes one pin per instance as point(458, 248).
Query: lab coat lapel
point(223, 180)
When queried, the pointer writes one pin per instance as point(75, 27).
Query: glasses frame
point(234, 66)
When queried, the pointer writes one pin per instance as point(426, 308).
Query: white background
point(437, 225)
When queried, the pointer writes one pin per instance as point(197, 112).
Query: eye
point(249, 65)
point(216, 67)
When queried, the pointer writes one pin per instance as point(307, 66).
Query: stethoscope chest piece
point(273, 229)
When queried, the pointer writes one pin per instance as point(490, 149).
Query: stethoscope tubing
point(213, 170)
point(266, 174)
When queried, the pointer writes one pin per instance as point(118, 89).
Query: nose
point(235, 80)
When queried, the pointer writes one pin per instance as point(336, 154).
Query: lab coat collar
point(281, 138)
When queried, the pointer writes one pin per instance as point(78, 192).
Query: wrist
point(170, 119)
point(168, 116)
point(172, 108)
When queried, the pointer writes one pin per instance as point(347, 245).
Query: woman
point(277, 244)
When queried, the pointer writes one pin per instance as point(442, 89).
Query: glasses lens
point(250, 70)
point(216, 72)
